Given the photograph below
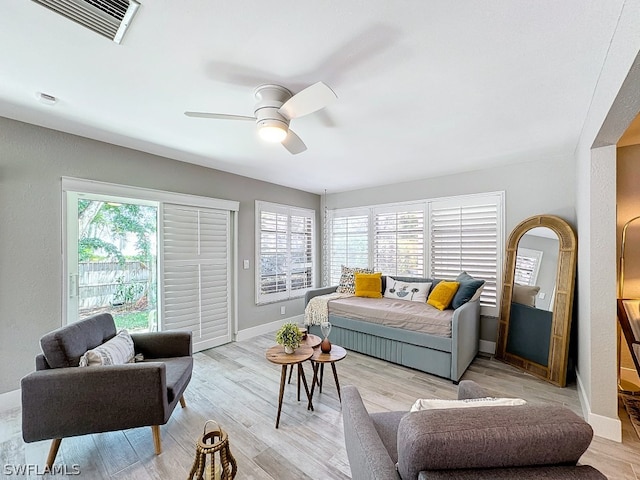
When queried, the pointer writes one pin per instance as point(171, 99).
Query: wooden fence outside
point(101, 284)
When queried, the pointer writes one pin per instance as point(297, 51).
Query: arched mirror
point(537, 298)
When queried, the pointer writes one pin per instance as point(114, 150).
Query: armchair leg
point(183, 404)
point(53, 452)
point(157, 442)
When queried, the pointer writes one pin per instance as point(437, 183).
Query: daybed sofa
point(486, 442)
point(446, 354)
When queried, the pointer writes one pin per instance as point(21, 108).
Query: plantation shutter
point(465, 236)
point(285, 251)
point(349, 243)
point(196, 273)
point(398, 235)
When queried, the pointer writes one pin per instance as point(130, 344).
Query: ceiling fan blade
point(220, 116)
point(307, 101)
point(293, 143)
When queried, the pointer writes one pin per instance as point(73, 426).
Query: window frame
point(289, 211)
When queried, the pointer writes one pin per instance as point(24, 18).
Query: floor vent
point(110, 18)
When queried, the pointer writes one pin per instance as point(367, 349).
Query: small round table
point(318, 359)
point(276, 355)
point(310, 340)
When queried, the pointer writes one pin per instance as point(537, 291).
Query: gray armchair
point(524, 442)
point(61, 399)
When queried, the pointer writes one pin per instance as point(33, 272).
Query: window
point(398, 235)
point(466, 235)
point(436, 238)
point(349, 242)
point(527, 266)
point(178, 252)
point(285, 251)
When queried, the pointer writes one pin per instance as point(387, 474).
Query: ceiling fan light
point(274, 131)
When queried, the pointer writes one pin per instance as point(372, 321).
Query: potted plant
point(289, 336)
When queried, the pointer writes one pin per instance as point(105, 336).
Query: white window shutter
point(465, 236)
point(285, 251)
point(399, 240)
point(196, 273)
point(349, 243)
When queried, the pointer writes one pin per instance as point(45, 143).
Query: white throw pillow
point(117, 351)
point(436, 404)
point(414, 291)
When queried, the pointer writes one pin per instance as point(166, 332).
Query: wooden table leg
point(299, 369)
point(290, 372)
point(283, 377)
point(321, 375)
point(314, 365)
point(335, 377)
point(306, 387)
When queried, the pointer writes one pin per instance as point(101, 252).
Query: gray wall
point(546, 186)
point(32, 161)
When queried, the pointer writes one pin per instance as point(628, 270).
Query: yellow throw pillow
point(442, 294)
point(369, 285)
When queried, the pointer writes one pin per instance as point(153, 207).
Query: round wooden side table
point(318, 359)
point(276, 355)
point(310, 340)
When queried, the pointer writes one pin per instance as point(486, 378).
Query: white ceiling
point(426, 88)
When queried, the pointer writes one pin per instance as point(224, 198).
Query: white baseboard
point(248, 333)
point(485, 346)
point(605, 427)
point(10, 400)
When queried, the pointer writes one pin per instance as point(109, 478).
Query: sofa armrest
point(64, 402)
point(368, 458)
point(163, 344)
point(490, 437)
point(469, 389)
point(465, 336)
point(318, 291)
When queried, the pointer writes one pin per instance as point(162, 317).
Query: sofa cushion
point(386, 424)
point(490, 437)
point(348, 280)
point(467, 289)
point(117, 351)
point(525, 294)
point(442, 294)
point(560, 472)
point(436, 403)
point(64, 346)
point(178, 374)
point(411, 291)
point(368, 285)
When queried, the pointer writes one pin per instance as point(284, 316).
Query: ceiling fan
point(275, 107)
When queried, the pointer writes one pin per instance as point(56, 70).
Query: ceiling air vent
point(110, 18)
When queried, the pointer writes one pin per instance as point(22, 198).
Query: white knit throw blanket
point(317, 310)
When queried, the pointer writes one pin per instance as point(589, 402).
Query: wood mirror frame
point(556, 370)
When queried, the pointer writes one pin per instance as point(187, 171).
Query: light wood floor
point(235, 385)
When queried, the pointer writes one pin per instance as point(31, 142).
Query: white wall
point(32, 162)
point(616, 101)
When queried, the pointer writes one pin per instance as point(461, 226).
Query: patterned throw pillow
point(348, 279)
point(117, 351)
point(411, 291)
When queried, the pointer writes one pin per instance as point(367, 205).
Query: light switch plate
point(245, 264)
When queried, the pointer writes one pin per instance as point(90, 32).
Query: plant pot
point(288, 349)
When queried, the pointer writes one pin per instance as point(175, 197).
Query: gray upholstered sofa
point(444, 356)
point(490, 442)
point(61, 399)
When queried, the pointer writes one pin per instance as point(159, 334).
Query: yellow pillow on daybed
point(442, 294)
point(369, 285)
